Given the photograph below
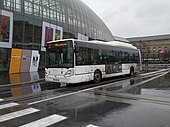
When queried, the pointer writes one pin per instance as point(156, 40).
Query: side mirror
point(76, 49)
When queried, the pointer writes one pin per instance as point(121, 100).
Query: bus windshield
point(60, 54)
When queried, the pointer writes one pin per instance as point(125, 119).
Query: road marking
point(8, 105)
point(17, 114)
point(47, 121)
point(90, 125)
point(1, 99)
point(162, 70)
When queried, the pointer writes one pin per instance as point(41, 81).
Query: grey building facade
point(153, 48)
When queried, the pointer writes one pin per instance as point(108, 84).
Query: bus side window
point(94, 57)
point(79, 58)
point(100, 57)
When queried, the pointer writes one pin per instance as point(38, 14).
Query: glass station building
point(29, 24)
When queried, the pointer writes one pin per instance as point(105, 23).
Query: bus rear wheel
point(97, 76)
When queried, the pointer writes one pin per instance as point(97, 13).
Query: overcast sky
point(133, 18)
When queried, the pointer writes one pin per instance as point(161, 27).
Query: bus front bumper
point(68, 80)
point(58, 79)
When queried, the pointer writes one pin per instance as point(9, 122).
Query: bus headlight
point(46, 72)
point(69, 73)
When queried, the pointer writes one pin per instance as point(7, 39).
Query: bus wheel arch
point(97, 76)
point(132, 71)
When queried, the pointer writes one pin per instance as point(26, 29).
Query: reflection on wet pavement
point(82, 108)
point(96, 109)
point(162, 82)
point(27, 89)
point(6, 78)
point(131, 86)
point(123, 84)
point(159, 84)
point(19, 90)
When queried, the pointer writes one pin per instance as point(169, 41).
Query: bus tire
point(132, 72)
point(97, 76)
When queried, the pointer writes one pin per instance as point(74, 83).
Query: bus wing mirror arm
point(76, 49)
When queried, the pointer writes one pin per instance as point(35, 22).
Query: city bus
point(72, 61)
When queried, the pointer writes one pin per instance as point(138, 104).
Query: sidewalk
point(19, 78)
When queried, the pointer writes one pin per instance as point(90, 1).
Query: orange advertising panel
point(15, 60)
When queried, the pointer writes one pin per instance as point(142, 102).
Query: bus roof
point(111, 43)
point(115, 43)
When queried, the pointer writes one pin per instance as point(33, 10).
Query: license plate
point(56, 80)
point(62, 84)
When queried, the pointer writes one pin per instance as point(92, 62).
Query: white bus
point(73, 61)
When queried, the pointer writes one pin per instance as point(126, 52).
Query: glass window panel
point(42, 60)
point(52, 4)
point(8, 4)
point(28, 33)
point(78, 21)
point(36, 10)
point(4, 59)
point(46, 12)
point(41, 11)
point(18, 31)
point(53, 15)
point(63, 18)
point(45, 3)
point(63, 15)
point(37, 37)
point(17, 5)
point(37, 1)
point(58, 16)
point(70, 16)
point(28, 7)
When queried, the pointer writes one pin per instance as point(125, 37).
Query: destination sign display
point(53, 45)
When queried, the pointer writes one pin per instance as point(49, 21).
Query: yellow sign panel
point(15, 60)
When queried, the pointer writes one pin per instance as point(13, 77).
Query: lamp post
point(154, 54)
point(142, 51)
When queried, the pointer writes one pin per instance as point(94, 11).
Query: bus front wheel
point(97, 76)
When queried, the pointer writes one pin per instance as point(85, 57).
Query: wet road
point(128, 102)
